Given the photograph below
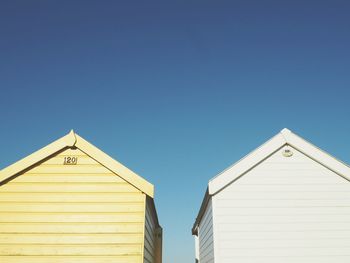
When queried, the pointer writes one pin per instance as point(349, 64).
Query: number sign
point(70, 160)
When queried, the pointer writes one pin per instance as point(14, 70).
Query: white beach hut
point(287, 201)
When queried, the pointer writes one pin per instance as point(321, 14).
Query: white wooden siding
point(205, 236)
point(150, 227)
point(286, 209)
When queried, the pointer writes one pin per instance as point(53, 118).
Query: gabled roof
point(284, 137)
point(74, 140)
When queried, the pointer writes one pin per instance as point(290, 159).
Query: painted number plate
point(70, 160)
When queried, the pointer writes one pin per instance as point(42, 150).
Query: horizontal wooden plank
point(71, 197)
point(289, 218)
point(256, 188)
point(49, 238)
point(291, 195)
point(76, 207)
point(311, 226)
point(297, 159)
point(287, 234)
point(49, 250)
point(70, 259)
point(280, 203)
point(286, 252)
point(69, 178)
point(63, 187)
point(308, 179)
point(71, 217)
point(61, 169)
point(71, 228)
point(227, 242)
point(283, 166)
point(251, 258)
point(282, 211)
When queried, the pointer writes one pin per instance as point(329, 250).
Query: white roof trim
point(282, 138)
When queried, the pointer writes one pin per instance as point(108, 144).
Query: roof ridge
point(74, 140)
point(285, 136)
point(71, 138)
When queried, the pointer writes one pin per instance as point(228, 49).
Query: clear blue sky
point(175, 90)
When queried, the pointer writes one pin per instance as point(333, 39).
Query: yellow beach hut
point(70, 202)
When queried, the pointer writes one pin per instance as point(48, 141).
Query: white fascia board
point(318, 155)
point(284, 137)
point(248, 162)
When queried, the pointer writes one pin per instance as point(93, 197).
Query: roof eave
point(116, 167)
point(246, 163)
point(284, 137)
point(66, 141)
point(74, 140)
point(201, 213)
point(318, 155)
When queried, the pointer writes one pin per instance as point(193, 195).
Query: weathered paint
point(52, 212)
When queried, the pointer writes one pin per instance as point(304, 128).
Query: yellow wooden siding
point(70, 259)
point(71, 213)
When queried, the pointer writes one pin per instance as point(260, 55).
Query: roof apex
point(71, 138)
point(238, 169)
point(285, 136)
point(74, 140)
point(285, 131)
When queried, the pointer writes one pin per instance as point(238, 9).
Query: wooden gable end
point(71, 208)
point(284, 208)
